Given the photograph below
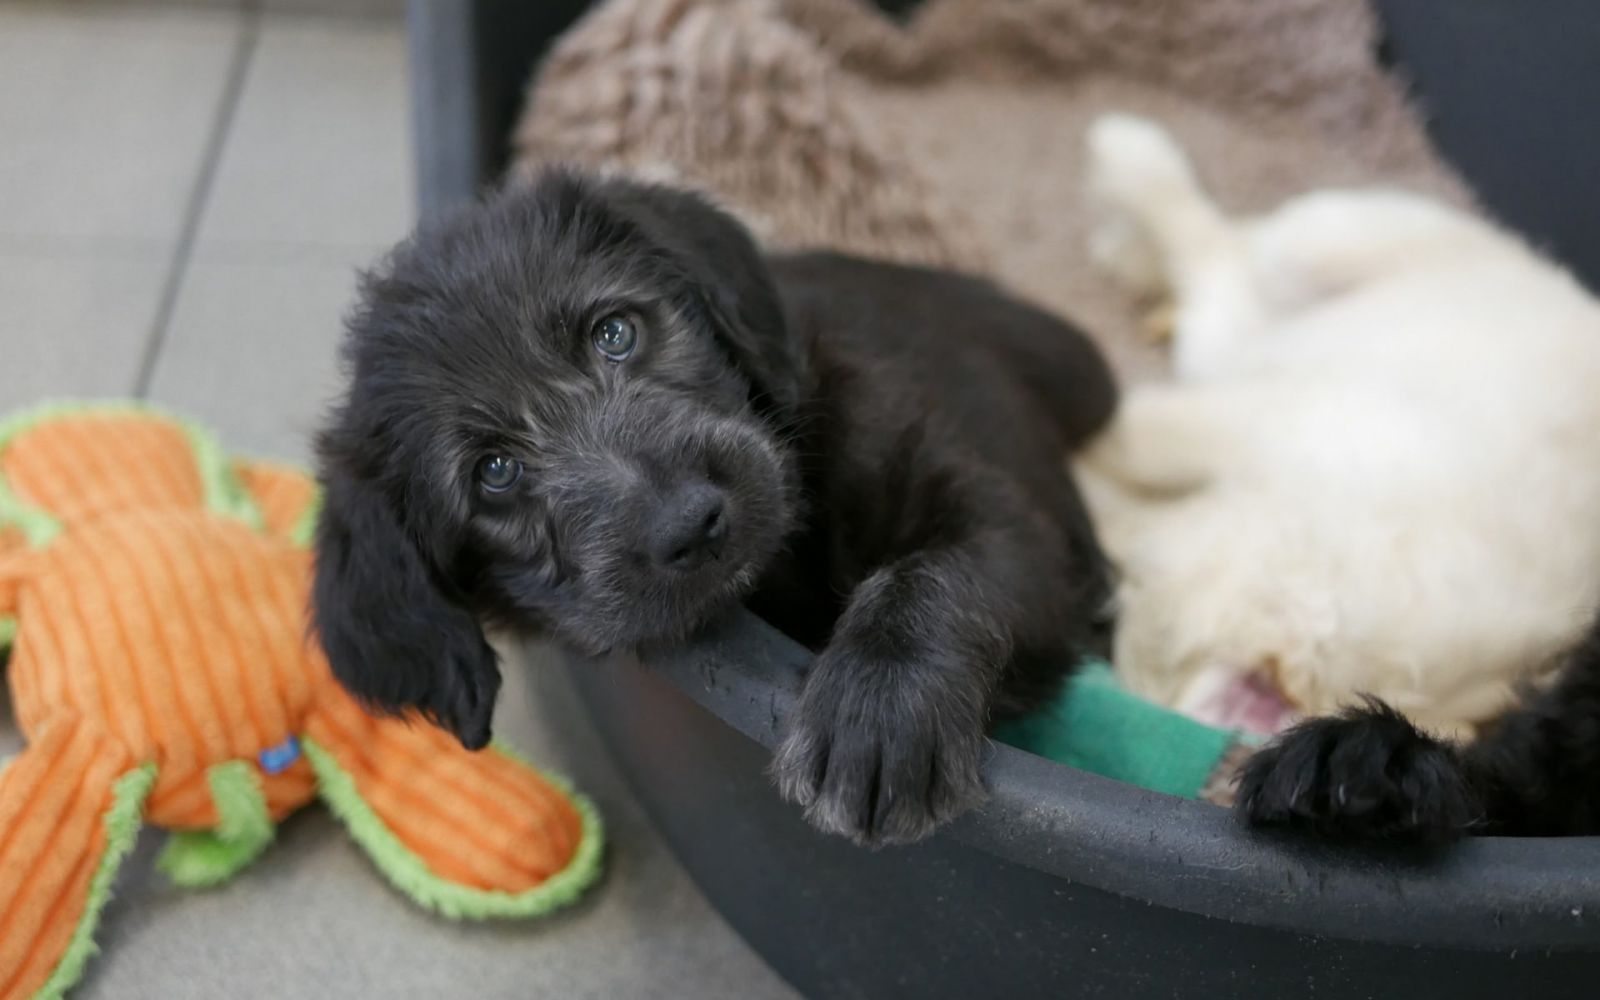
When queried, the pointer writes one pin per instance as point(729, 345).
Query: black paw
point(464, 697)
point(879, 754)
point(1368, 774)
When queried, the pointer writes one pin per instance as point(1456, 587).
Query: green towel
point(1097, 725)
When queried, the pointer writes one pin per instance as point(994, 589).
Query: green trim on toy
point(122, 828)
point(199, 859)
point(410, 874)
point(305, 529)
point(8, 631)
point(223, 492)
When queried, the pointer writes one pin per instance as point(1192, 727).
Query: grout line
point(194, 211)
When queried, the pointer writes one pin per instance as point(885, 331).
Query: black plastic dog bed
point(1065, 884)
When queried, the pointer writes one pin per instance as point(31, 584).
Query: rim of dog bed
point(1490, 893)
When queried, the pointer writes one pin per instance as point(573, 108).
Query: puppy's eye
point(497, 473)
point(615, 337)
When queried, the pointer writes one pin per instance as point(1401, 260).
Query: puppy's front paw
point(878, 754)
point(1366, 775)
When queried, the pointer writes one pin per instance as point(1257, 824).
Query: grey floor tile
point(313, 181)
point(252, 347)
point(105, 115)
point(319, 150)
point(373, 9)
point(73, 324)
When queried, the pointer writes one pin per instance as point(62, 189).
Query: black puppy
point(590, 409)
point(1371, 775)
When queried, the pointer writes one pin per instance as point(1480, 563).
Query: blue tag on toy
point(275, 759)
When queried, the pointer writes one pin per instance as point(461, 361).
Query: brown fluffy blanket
point(956, 138)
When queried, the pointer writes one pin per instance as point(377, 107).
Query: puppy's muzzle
point(686, 527)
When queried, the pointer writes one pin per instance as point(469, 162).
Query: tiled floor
point(185, 196)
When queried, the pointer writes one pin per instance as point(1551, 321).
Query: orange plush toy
point(153, 594)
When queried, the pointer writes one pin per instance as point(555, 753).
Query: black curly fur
point(887, 442)
point(1366, 774)
point(1369, 774)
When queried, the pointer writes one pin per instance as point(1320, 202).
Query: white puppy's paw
point(1134, 171)
point(1133, 161)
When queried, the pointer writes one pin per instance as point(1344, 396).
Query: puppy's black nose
point(689, 527)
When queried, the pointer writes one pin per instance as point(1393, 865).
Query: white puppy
point(1378, 466)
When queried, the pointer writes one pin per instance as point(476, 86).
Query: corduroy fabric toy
point(153, 595)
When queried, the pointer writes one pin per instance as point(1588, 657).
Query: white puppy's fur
point(1378, 466)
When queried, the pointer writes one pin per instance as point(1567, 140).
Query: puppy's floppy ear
point(394, 637)
point(722, 260)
